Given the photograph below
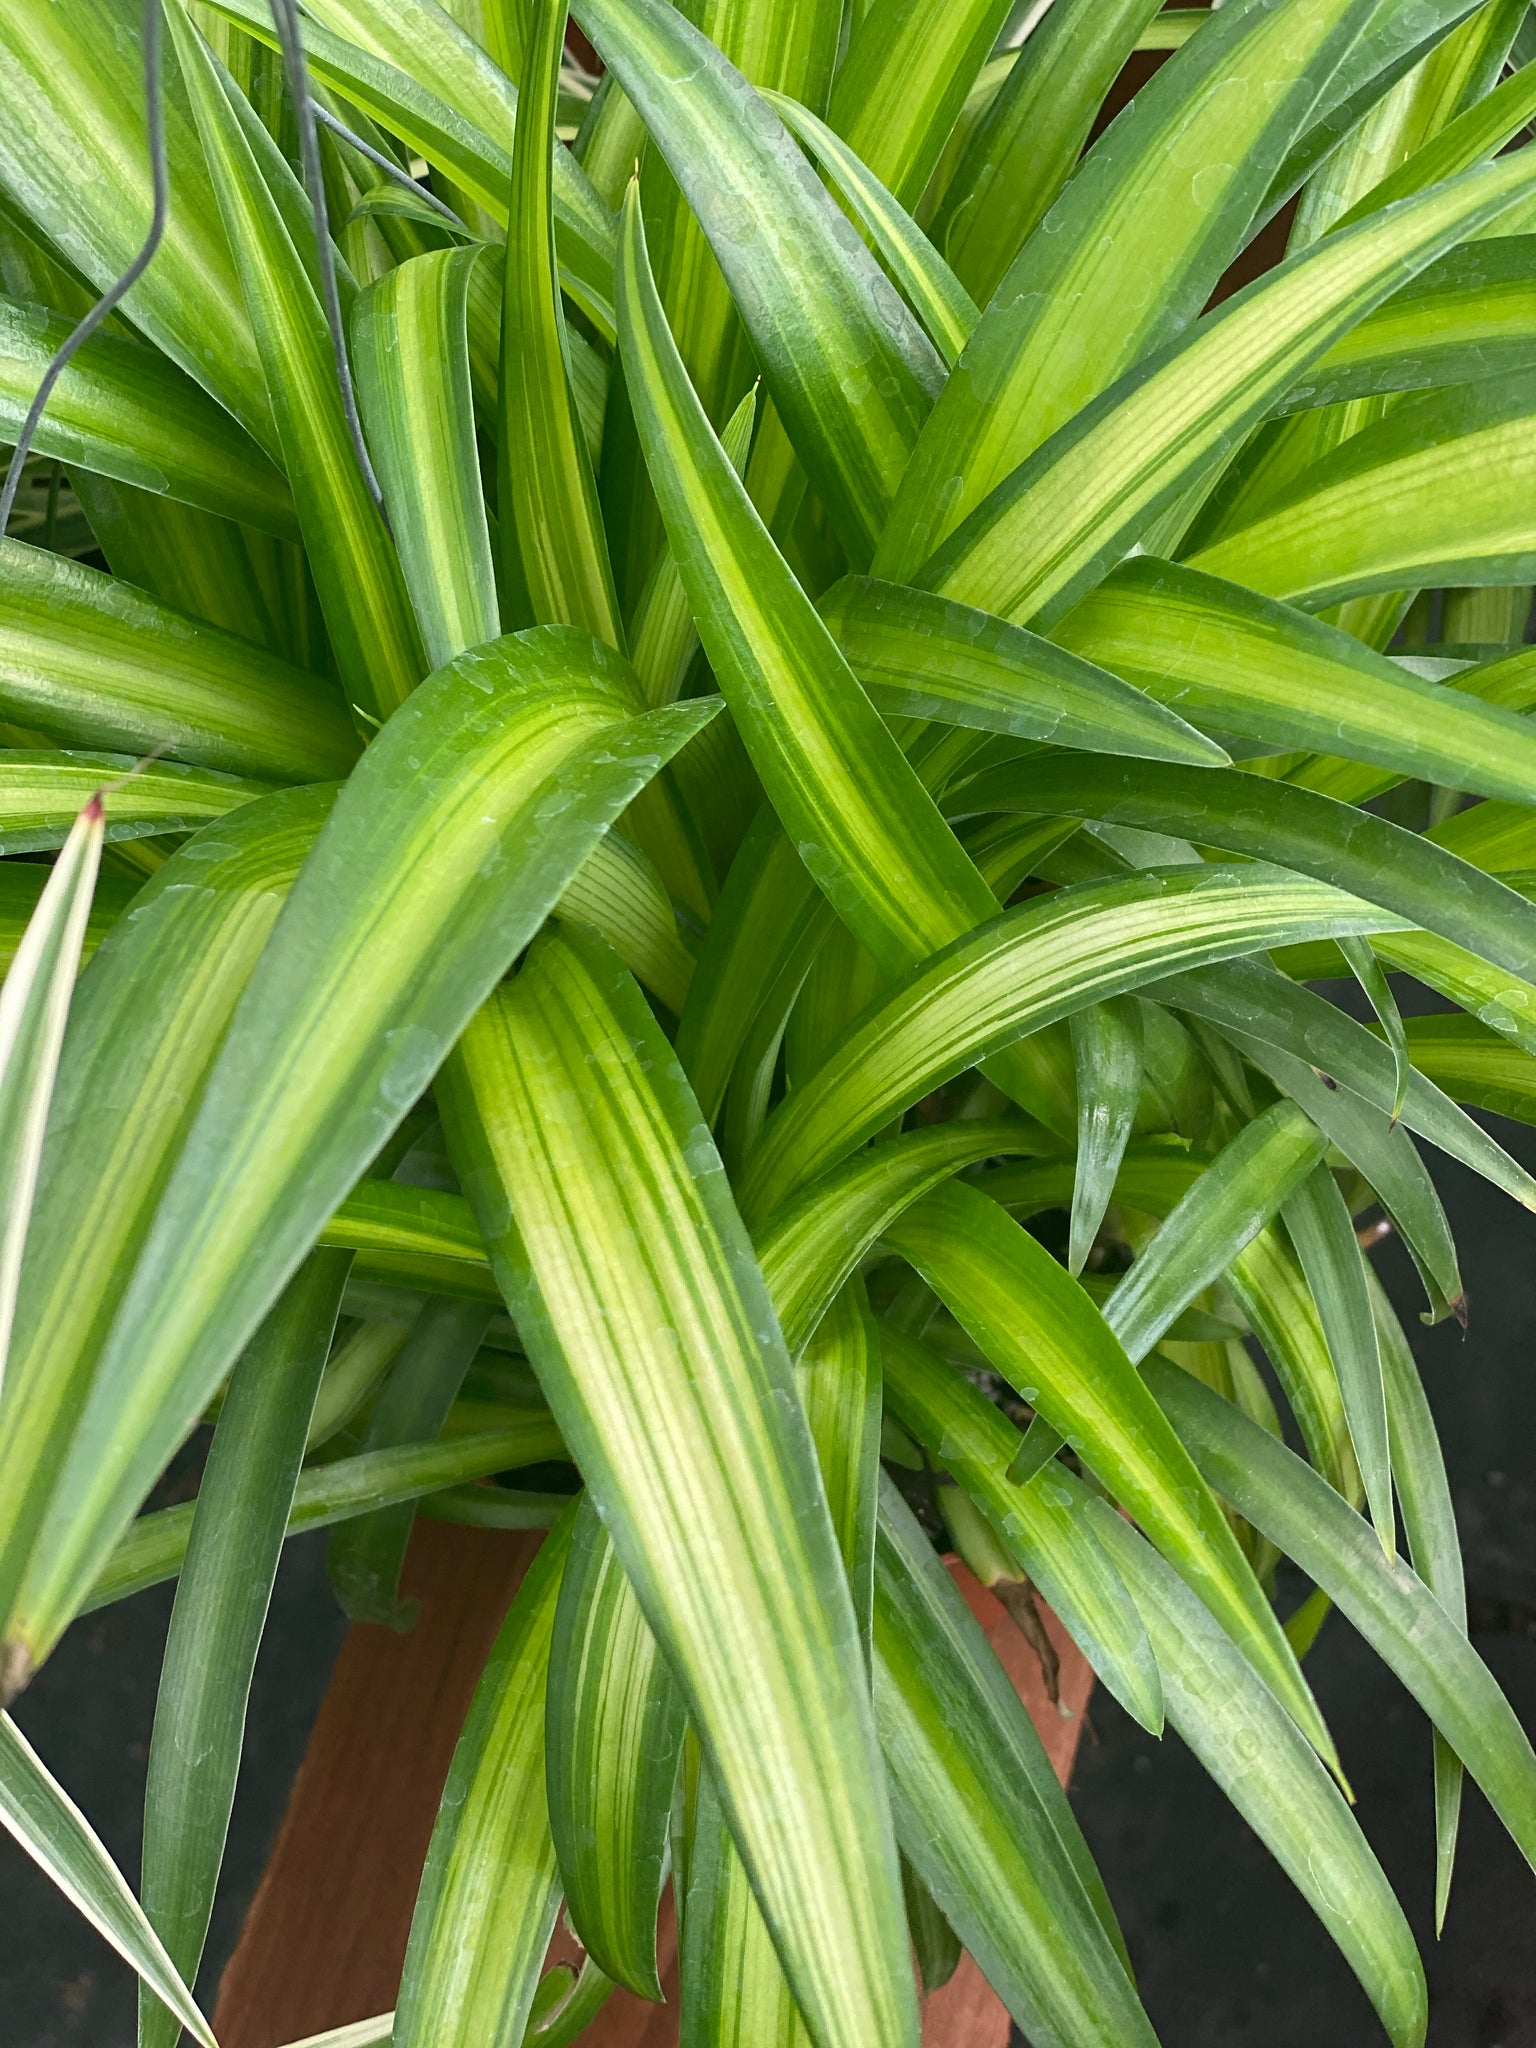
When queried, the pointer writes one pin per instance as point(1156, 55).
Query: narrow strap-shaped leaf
point(1371, 975)
point(154, 1545)
point(732, 1985)
point(1392, 1608)
point(1281, 1790)
point(41, 793)
point(981, 1816)
point(613, 1735)
point(71, 82)
point(34, 1008)
point(808, 312)
point(1034, 963)
point(1468, 316)
point(1242, 1188)
point(1038, 1327)
point(1429, 1523)
point(1478, 133)
point(364, 1557)
point(663, 638)
point(903, 80)
point(552, 533)
point(240, 1519)
point(921, 656)
point(455, 835)
point(39, 1813)
point(661, 1357)
point(618, 890)
point(811, 1245)
point(1319, 1222)
point(838, 1380)
point(732, 1988)
point(932, 290)
point(1267, 820)
point(1138, 239)
point(491, 1890)
point(1272, 1012)
point(1056, 523)
point(864, 827)
point(1027, 143)
point(125, 411)
point(1107, 1048)
point(956, 1423)
point(146, 1024)
point(356, 570)
point(1384, 1154)
point(421, 78)
point(1376, 512)
point(1260, 670)
point(93, 662)
point(413, 386)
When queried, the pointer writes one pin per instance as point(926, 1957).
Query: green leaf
point(1247, 666)
point(614, 1734)
point(1040, 1330)
point(448, 101)
point(663, 1363)
point(1138, 240)
point(126, 411)
point(968, 1434)
point(1473, 1064)
point(1107, 1048)
point(1230, 1202)
point(93, 662)
point(507, 769)
point(490, 1890)
point(1471, 315)
point(812, 296)
point(864, 827)
point(146, 1024)
point(921, 656)
point(980, 1814)
point(1260, 1762)
point(73, 85)
point(1320, 1226)
point(732, 1988)
point(1064, 516)
point(1280, 1022)
point(152, 1548)
point(1393, 1609)
point(409, 332)
point(1379, 513)
point(1476, 135)
point(1429, 1523)
point(903, 80)
point(34, 1008)
point(1037, 962)
point(1266, 820)
point(617, 890)
point(809, 1247)
point(37, 1810)
point(552, 538)
point(1368, 971)
point(931, 288)
point(1027, 143)
point(238, 1525)
point(356, 570)
point(838, 1380)
point(364, 1557)
point(22, 884)
point(41, 793)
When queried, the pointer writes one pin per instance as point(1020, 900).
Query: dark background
point(1225, 1951)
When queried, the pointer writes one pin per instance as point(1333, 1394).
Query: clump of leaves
point(763, 677)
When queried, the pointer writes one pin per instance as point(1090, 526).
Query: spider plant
point(778, 718)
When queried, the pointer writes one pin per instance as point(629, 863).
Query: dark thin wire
point(391, 169)
point(285, 19)
point(112, 298)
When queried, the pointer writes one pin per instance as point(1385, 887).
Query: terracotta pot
point(325, 1937)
